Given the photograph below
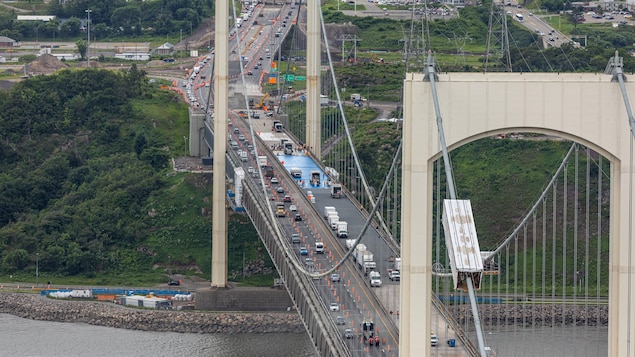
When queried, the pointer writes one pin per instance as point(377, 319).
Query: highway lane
point(549, 35)
point(352, 293)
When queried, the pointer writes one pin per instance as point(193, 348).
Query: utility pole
point(88, 45)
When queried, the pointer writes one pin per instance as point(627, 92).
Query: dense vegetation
point(109, 19)
point(84, 191)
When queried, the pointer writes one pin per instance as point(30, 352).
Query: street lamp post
point(88, 45)
point(169, 268)
point(37, 269)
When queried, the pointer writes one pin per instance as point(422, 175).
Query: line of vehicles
point(340, 227)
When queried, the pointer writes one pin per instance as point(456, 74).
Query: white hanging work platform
point(462, 243)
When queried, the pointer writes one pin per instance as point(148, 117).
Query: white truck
point(364, 258)
point(398, 264)
point(336, 190)
point(324, 100)
point(349, 243)
point(342, 229)
point(328, 210)
point(333, 220)
point(262, 161)
point(375, 278)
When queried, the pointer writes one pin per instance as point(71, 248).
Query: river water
point(23, 337)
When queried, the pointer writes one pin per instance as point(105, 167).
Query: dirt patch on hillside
point(202, 37)
point(334, 33)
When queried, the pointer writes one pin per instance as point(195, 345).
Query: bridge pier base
point(243, 299)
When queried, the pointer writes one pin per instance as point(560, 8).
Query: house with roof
point(6, 42)
point(165, 49)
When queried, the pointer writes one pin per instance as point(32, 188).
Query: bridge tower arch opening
point(585, 108)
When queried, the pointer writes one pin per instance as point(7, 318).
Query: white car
point(274, 180)
point(293, 208)
point(334, 306)
point(434, 340)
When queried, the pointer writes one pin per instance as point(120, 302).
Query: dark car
point(298, 217)
point(174, 282)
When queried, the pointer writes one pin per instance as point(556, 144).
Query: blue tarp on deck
point(306, 164)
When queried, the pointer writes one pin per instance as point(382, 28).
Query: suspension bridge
point(565, 269)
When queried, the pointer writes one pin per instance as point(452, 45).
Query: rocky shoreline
point(528, 315)
point(37, 307)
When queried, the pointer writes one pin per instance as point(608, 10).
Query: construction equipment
point(375, 59)
point(261, 104)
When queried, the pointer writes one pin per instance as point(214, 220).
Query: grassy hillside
point(87, 192)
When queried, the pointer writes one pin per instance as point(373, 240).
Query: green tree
point(71, 27)
point(82, 47)
point(140, 144)
point(16, 259)
point(157, 158)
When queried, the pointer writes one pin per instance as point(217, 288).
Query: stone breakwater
point(527, 315)
point(36, 307)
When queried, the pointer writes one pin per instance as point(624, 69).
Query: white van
point(319, 248)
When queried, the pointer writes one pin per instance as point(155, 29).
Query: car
point(297, 217)
point(261, 58)
point(256, 67)
point(334, 306)
point(309, 262)
point(174, 282)
point(280, 189)
point(304, 251)
point(295, 238)
point(340, 320)
point(335, 278)
point(434, 340)
point(250, 170)
point(241, 137)
point(293, 208)
point(256, 116)
point(348, 333)
point(274, 180)
point(250, 73)
point(394, 275)
point(287, 198)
